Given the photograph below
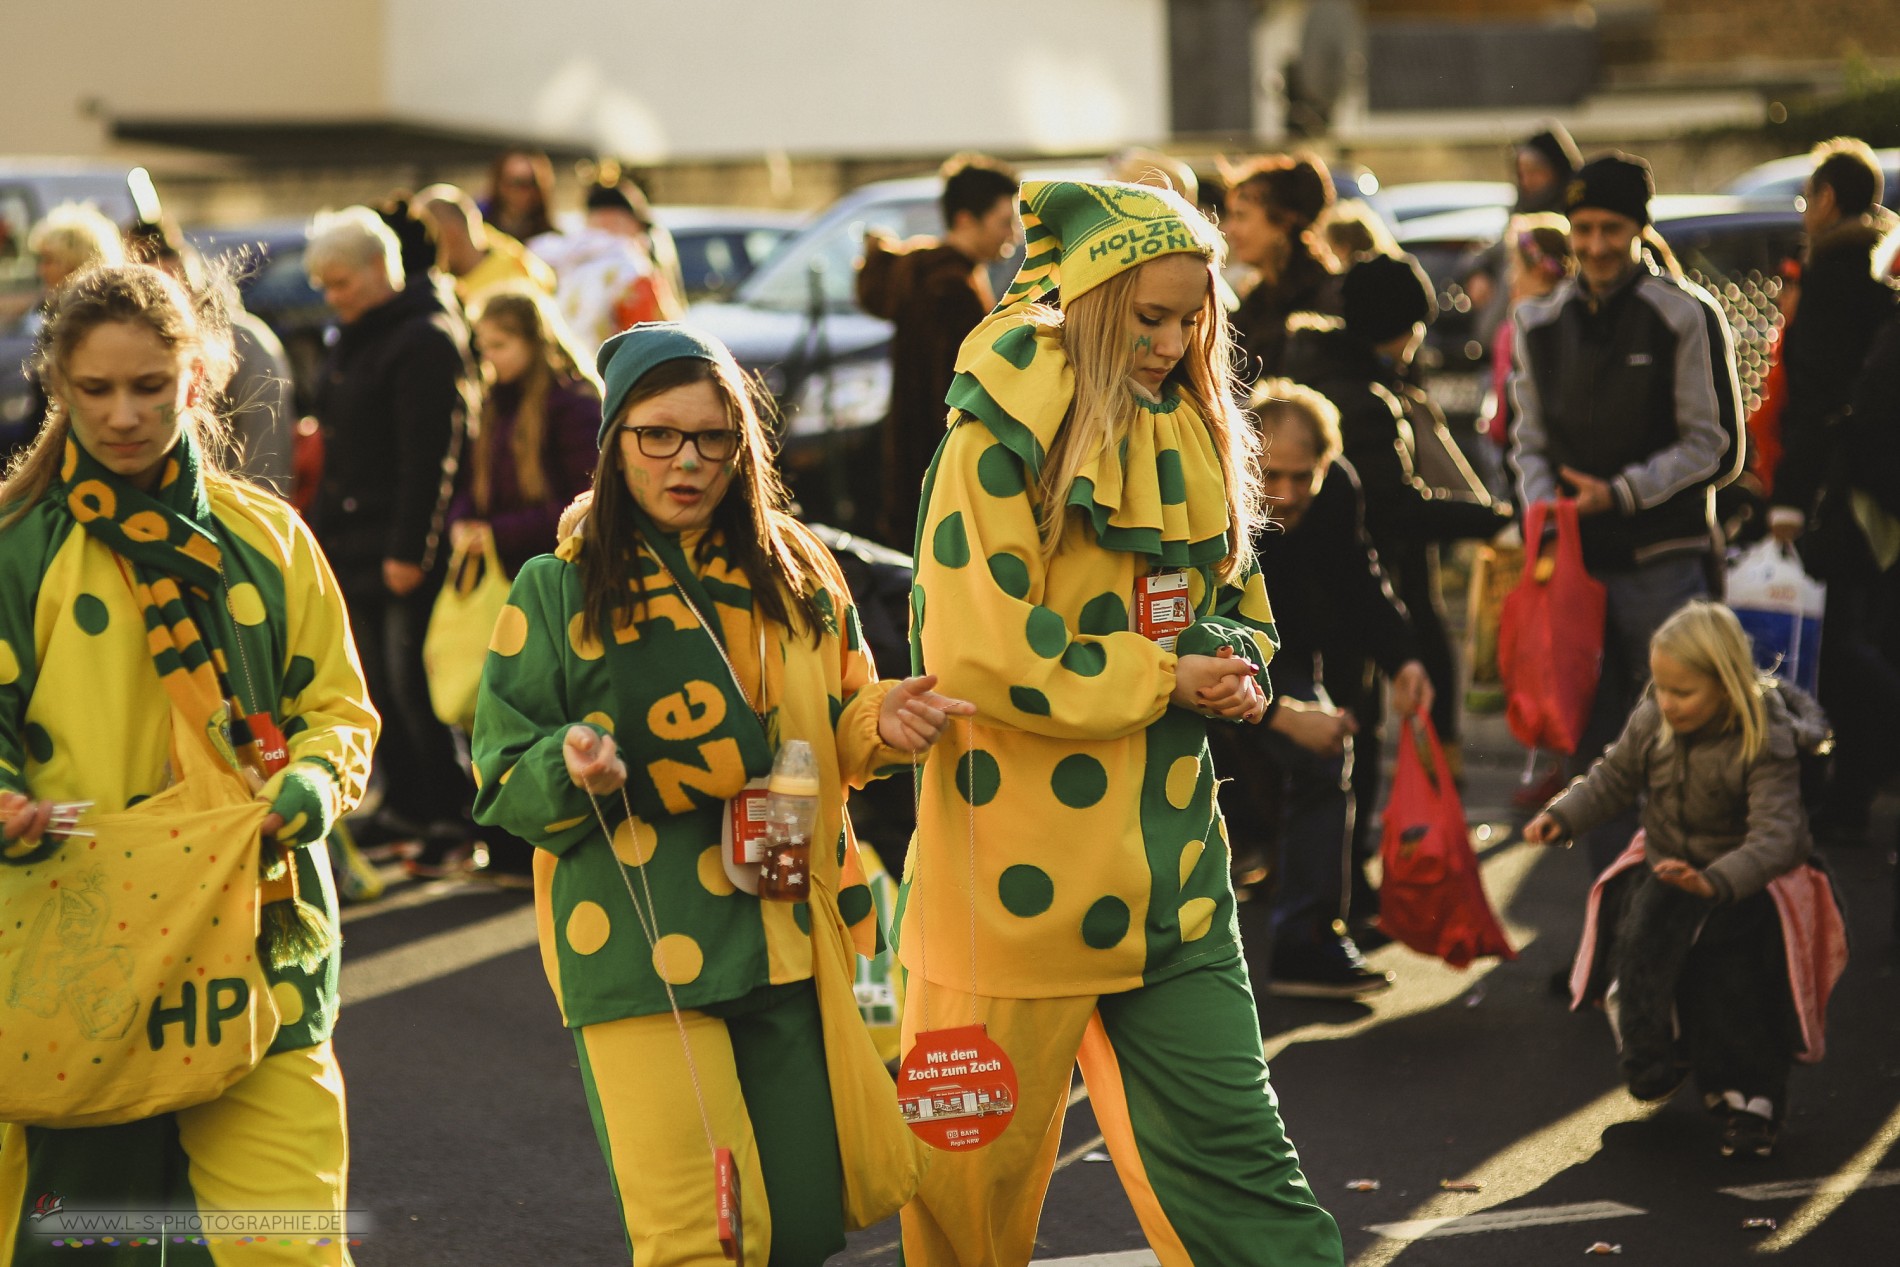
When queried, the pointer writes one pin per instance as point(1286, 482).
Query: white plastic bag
point(1780, 606)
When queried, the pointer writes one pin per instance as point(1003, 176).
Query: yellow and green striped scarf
point(167, 539)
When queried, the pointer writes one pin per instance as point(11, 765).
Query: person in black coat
point(1359, 363)
point(393, 401)
point(1841, 309)
point(1289, 795)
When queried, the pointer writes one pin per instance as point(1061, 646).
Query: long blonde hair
point(1707, 639)
point(193, 322)
point(1094, 330)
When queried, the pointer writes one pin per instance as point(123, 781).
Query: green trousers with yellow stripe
point(274, 1142)
point(759, 1068)
point(1178, 1081)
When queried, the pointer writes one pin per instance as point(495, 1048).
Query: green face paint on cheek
point(1143, 344)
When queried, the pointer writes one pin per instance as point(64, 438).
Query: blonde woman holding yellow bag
point(182, 718)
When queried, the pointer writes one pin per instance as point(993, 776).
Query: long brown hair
point(540, 220)
point(136, 294)
point(1094, 333)
point(529, 316)
point(752, 516)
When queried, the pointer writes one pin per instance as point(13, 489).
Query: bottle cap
point(795, 772)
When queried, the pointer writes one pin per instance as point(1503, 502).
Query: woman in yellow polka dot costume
point(1084, 577)
point(684, 629)
point(118, 522)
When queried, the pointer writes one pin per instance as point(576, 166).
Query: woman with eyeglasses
point(640, 682)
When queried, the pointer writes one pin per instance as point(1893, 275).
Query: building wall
point(722, 78)
point(74, 65)
point(1713, 31)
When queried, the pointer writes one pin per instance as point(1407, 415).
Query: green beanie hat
point(1077, 235)
point(625, 359)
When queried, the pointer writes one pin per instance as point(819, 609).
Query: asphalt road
point(471, 1143)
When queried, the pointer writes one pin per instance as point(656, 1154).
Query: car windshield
point(826, 255)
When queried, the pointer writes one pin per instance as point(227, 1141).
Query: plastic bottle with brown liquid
point(791, 813)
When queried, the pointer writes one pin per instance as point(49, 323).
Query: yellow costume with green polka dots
point(85, 716)
point(741, 968)
point(1076, 818)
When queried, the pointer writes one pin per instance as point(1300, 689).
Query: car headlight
point(844, 397)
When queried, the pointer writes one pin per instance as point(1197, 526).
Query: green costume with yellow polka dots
point(1075, 821)
point(86, 714)
point(741, 968)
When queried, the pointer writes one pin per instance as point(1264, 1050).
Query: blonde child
point(1697, 977)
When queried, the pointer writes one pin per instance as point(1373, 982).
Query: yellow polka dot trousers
point(1178, 1083)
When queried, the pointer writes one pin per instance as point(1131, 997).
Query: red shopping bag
point(1432, 898)
point(1550, 639)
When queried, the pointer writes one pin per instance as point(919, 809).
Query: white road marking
point(1789, 1188)
point(1503, 1220)
point(400, 899)
point(429, 958)
point(1128, 1258)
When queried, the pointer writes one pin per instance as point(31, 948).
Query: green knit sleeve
point(522, 716)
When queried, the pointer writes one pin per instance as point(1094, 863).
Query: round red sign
point(957, 1088)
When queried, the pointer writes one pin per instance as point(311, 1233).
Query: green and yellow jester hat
point(1076, 236)
point(1160, 492)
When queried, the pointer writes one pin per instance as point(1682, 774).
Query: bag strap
point(1534, 515)
point(1569, 537)
point(1441, 770)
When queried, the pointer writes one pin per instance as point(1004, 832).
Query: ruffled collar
point(1158, 491)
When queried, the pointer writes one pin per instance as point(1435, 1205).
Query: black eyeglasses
point(663, 442)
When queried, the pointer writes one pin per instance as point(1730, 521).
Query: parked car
point(29, 188)
point(1732, 246)
point(720, 246)
point(1786, 177)
point(1401, 203)
point(795, 322)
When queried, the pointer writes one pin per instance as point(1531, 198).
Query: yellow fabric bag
point(456, 644)
point(883, 1161)
point(128, 961)
point(879, 983)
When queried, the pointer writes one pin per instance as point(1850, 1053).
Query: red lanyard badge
point(1162, 609)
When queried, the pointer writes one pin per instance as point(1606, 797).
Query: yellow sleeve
point(328, 720)
point(862, 754)
point(985, 632)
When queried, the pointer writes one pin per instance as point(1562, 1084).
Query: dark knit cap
point(624, 196)
point(1558, 151)
point(1385, 296)
point(1618, 183)
point(625, 359)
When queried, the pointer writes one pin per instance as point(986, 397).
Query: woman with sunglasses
point(641, 678)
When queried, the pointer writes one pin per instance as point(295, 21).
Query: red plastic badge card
point(731, 1224)
point(745, 825)
point(270, 742)
point(956, 1088)
point(1162, 609)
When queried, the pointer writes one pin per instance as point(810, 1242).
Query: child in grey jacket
point(1694, 937)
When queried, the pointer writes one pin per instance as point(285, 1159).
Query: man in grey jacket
point(1627, 401)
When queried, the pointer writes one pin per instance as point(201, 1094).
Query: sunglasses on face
point(663, 442)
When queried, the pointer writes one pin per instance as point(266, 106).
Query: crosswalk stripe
point(1788, 1188)
point(1503, 1220)
point(428, 958)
